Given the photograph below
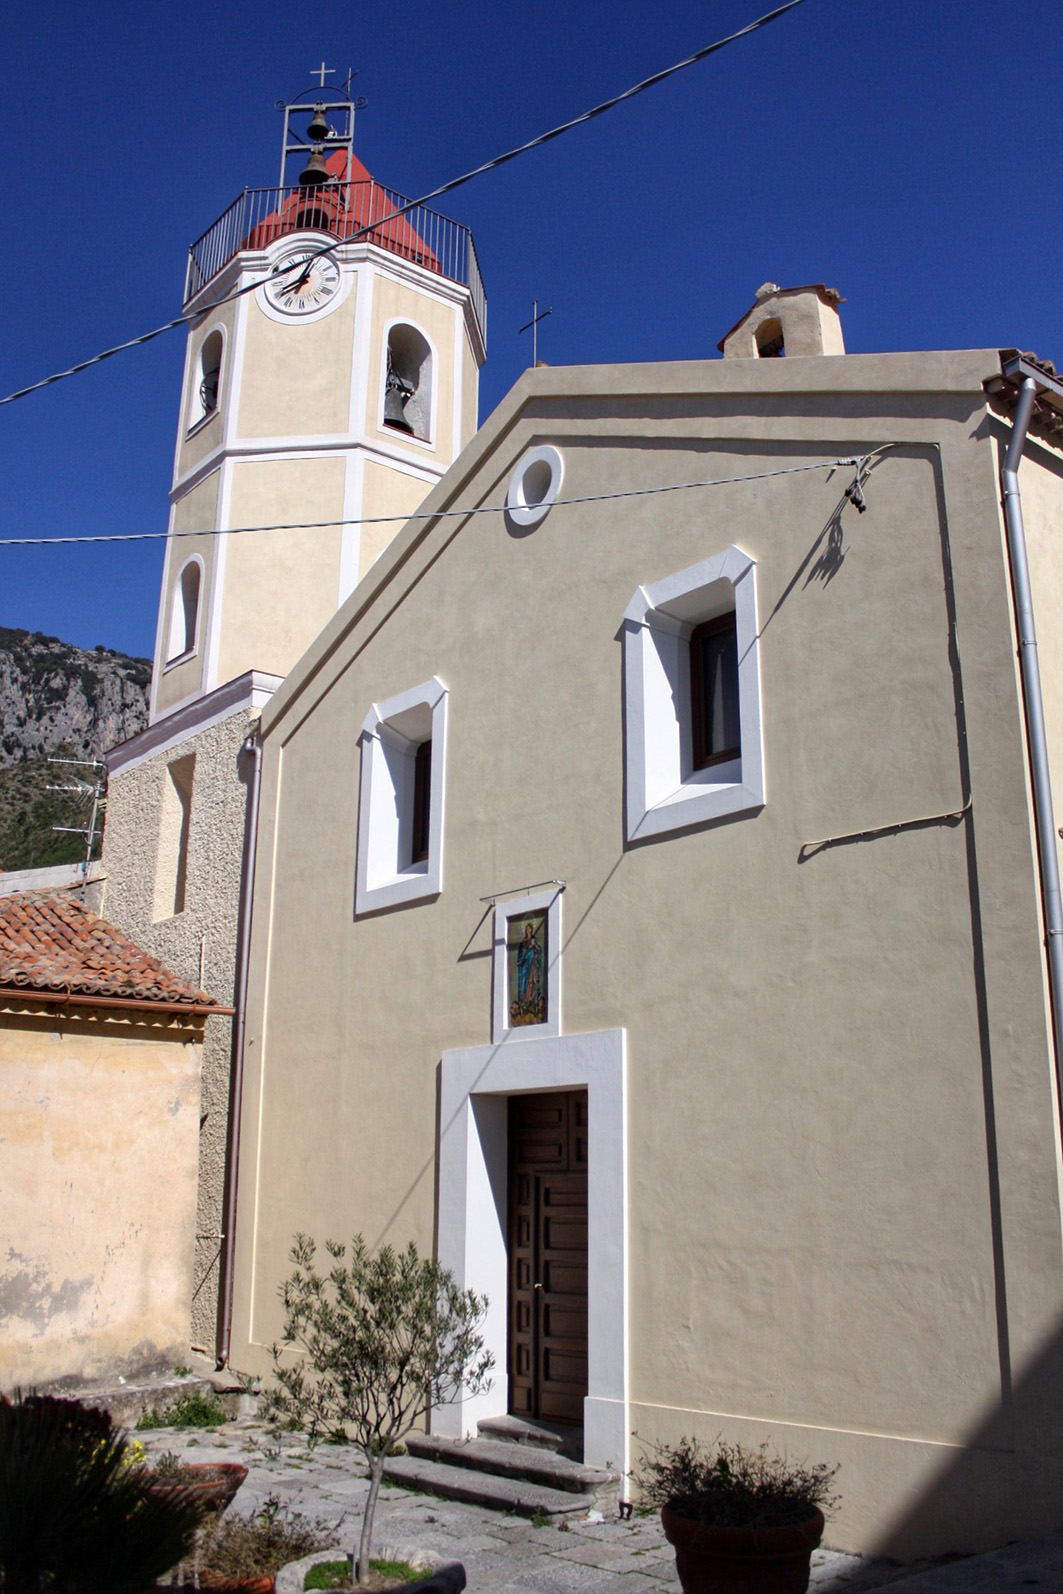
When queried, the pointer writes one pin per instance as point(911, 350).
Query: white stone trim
point(457, 419)
point(251, 691)
point(219, 560)
point(351, 531)
point(473, 1202)
point(527, 502)
point(390, 736)
point(358, 412)
point(500, 1026)
point(664, 792)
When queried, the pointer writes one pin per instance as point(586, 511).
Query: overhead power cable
point(444, 188)
point(443, 514)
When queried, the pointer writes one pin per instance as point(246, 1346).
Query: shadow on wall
point(1009, 1473)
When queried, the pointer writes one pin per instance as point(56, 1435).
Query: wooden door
point(548, 1256)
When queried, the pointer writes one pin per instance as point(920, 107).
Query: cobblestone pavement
point(501, 1554)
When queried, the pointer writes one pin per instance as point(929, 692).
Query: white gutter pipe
point(253, 748)
point(1032, 383)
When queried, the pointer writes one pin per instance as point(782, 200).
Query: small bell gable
point(787, 321)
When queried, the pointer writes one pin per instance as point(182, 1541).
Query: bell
point(315, 172)
point(319, 129)
point(396, 393)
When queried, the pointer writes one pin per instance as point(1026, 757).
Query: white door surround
point(473, 1192)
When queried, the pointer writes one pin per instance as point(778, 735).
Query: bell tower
point(330, 379)
point(334, 348)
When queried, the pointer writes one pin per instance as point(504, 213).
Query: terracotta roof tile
point(50, 942)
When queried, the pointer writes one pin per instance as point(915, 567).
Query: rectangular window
point(400, 807)
point(422, 801)
point(714, 691)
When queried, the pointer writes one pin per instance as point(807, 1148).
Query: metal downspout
point(253, 747)
point(1035, 719)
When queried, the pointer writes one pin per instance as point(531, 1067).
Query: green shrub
point(192, 1410)
point(337, 1574)
point(75, 1517)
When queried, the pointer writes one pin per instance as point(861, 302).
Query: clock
point(301, 292)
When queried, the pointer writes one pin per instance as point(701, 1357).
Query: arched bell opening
point(771, 345)
point(209, 374)
point(184, 612)
point(408, 382)
point(315, 218)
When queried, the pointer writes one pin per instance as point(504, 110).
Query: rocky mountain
point(58, 700)
point(54, 695)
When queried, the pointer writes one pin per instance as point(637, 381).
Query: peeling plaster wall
point(98, 1123)
point(199, 943)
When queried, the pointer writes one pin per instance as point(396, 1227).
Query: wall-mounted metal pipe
point(1037, 741)
point(253, 748)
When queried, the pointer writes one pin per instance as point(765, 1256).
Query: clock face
point(297, 291)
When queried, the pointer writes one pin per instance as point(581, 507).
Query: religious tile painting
point(526, 965)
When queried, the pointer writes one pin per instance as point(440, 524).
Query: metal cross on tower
point(321, 72)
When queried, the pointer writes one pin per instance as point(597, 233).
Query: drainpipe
point(253, 748)
point(1032, 382)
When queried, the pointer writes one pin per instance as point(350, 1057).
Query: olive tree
point(385, 1336)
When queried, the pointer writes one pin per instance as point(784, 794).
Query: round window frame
point(517, 507)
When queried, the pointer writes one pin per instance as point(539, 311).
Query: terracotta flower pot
point(219, 1584)
point(742, 1560)
point(212, 1483)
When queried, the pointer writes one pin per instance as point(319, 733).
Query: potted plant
point(242, 1555)
point(75, 1513)
point(212, 1484)
point(741, 1521)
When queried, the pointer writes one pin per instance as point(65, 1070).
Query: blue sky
point(908, 154)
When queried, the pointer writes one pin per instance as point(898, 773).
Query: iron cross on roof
point(322, 72)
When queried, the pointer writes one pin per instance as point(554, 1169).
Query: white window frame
point(664, 791)
point(501, 1028)
point(390, 736)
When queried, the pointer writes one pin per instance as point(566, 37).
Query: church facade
point(647, 922)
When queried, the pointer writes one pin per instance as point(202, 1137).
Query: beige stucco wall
point(96, 1275)
point(296, 375)
point(385, 492)
point(819, 1041)
point(199, 944)
point(196, 510)
point(280, 586)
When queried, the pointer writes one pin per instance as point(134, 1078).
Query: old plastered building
point(100, 1048)
point(648, 921)
point(323, 395)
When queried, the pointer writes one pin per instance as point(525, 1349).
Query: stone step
point(521, 1461)
point(484, 1489)
point(541, 1435)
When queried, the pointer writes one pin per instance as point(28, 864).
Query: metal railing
point(262, 215)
